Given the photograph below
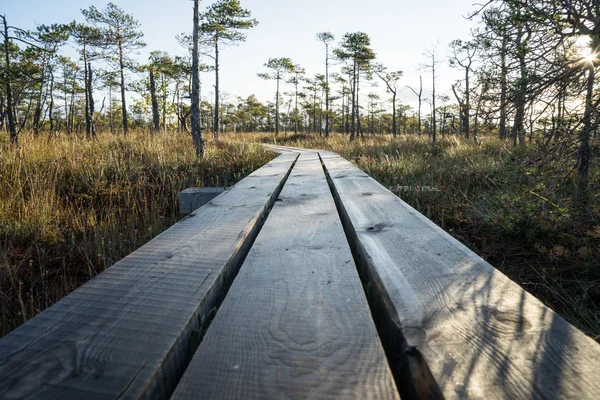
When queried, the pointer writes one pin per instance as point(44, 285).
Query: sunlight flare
point(590, 58)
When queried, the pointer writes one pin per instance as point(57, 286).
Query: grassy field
point(70, 208)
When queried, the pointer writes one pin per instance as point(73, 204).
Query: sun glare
point(590, 57)
point(584, 51)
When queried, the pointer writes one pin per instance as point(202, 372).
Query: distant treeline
point(529, 75)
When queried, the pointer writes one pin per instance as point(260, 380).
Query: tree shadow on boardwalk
point(483, 336)
point(512, 346)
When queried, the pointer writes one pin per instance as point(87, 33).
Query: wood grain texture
point(128, 332)
point(296, 323)
point(461, 322)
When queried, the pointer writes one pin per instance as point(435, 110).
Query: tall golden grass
point(70, 207)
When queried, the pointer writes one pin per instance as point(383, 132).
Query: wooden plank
point(285, 149)
point(128, 333)
point(295, 323)
point(459, 327)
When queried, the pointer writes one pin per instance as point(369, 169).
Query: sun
point(590, 58)
point(584, 50)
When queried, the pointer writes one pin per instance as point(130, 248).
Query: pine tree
point(355, 48)
point(122, 35)
point(223, 23)
point(281, 67)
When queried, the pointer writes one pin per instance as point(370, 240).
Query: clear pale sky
point(400, 32)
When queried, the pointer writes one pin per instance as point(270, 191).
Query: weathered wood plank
point(295, 323)
point(128, 333)
point(286, 149)
point(450, 315)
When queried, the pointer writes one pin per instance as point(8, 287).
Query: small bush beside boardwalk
point(70, 207)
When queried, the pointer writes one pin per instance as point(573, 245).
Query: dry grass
point(71, 207)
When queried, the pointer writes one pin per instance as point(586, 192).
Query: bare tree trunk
point(583, 153)
point(123, 100)
point(223, 120)
point(2, 112)
point(51, 105)
point(467, 106)
point(394, 123)
point(343, 111)
point(110, 106)
point(420, 102)
point(372, 122)
point(353, 125)
point(477, 111)
point(14, 139)
point(315, 111)
point(531, 121)
point(560, 123)
point(296, 106)
point(277, 106)
point(321, 116)
point(91, 99)
point(154, 100)
point(216, 119)
point(503, 87)
point(518, 129)
point(443, 127)
point(72, 107)
point(66, 95)
point(196, 123)
point(433, 99)
point(358, 125)
point(86, 81)
point(164, 102)
point(461, 108)
point(178, 106)
point(37, 114)
point(326, 90)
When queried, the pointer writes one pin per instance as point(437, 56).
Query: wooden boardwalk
point(343, 291)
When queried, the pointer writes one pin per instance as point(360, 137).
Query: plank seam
point(208, 307)
point(259, 348)
point(410, 371)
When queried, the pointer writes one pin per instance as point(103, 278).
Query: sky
point(401, 31)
